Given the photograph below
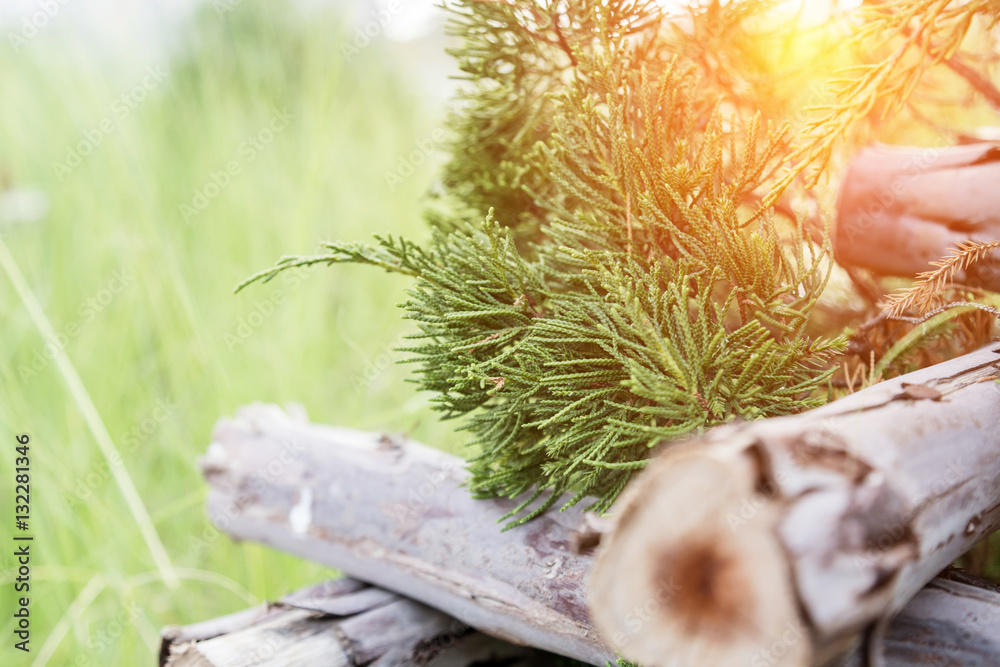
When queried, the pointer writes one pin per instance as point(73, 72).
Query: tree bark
point(902, 208)
point(396, 514)
point(955, 620)
point(338, 623)
point(892, 477)
point(801, 532)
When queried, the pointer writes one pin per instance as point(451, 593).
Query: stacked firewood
point(820, 538)
point(792, 541)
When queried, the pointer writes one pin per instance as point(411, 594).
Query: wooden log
point(813, 526)
point(396, 514)
point(338, 623)
point(955, 620)
point(902, 208)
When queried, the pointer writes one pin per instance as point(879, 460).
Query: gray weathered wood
point(338, 624)
point(954, 620)
point(263, 463)
point(396, 514)
point(827, 522)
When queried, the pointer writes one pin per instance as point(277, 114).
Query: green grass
point(167, 355)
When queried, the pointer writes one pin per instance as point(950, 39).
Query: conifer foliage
point(600, 277)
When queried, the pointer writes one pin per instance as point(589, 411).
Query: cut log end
point(710, 600)
point(694, 573)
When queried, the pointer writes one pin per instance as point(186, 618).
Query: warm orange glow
point(809, 12)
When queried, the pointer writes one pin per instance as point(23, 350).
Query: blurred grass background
point(169, 352)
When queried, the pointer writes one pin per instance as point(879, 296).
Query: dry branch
point(955, 620)
point(338, 623)
point(803, 531)
point(395, 513)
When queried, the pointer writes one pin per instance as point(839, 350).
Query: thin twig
point(975, 79)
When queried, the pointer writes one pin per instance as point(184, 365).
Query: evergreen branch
point(283, 264)
point(939, 31)
point(391, 255)
point(925, 293)
point(593, 287)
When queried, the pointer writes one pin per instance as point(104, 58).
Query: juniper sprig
point(624, 289)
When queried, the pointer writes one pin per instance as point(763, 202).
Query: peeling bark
point(804, 530)
point(395, 513)
point(339, 623)
point(955, 620)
